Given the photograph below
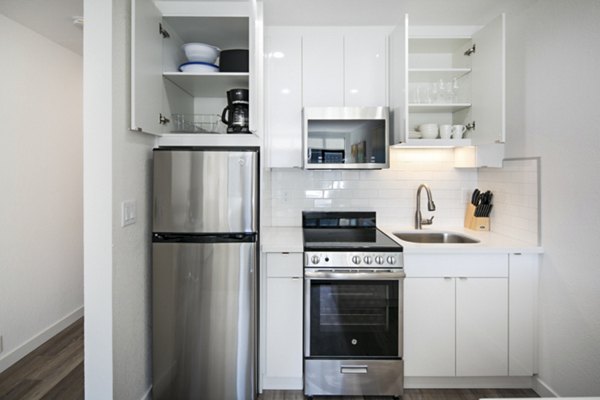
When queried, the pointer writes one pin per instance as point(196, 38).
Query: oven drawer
point(353, 377)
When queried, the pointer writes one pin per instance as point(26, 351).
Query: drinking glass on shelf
point(455, 88)
point(424, 93)
point(436, 93)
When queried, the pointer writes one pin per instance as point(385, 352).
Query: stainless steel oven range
point(353, 275)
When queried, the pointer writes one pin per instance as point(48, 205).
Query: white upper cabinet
point(453, 75)
point(345, 67)
point(323, 69)
point(284, 97)
point(365, 67)
point(167, 101)
point(318, 67)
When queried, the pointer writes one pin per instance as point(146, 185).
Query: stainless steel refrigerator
point(204, 280)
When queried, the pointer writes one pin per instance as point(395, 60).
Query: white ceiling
point(53, 18)
point(387, 12)
point(49, 18)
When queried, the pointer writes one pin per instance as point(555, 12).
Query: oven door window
point(353, 318)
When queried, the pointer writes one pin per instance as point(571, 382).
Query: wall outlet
point(128, 212)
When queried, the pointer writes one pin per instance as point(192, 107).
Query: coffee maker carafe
point(235, 115)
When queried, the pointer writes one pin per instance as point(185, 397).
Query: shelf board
point(437, 108)
point(208, 139)
point(433, 74)
point(416, 143)
point(436, 44)
point(208, 84)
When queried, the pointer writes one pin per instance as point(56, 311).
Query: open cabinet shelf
point(208, 84)
point(433, 74)
point(437, 108)
point(417, 143)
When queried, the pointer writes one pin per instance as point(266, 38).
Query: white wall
point(390, 192)
point(41, 260)
point(97, 199)
point(553, 84)
point(118, 357)
point(132, 168)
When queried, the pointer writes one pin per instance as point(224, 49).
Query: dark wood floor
point(413, 394)
point(52, 371)
point(55, 371)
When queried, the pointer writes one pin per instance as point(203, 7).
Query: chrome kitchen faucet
point(419, 221)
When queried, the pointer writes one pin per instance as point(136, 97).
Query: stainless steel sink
point(434, 237)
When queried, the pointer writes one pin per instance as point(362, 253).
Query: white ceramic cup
point(429, 131)
point(445, 131)
point(458, 131)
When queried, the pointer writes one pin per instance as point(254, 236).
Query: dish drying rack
point(198, 123)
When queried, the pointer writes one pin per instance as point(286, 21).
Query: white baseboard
point(542, 388)
point(15, 355)
point(496, 382)
point(148, 394)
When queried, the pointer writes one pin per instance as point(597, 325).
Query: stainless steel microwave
point(346, 137)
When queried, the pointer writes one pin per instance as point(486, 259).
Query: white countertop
point(489, 242)
point(276, 239)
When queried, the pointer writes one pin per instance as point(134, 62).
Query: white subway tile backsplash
point(515, 187)
point(391, 192)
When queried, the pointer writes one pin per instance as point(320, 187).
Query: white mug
point(429, 131)
point(458, 131)
point(445, 131)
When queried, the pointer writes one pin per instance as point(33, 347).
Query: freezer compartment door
point(205, 191)
point(203, 309)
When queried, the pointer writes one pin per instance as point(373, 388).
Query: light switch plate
point(128, 212)
point(1, 347)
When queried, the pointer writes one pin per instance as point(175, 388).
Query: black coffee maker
point(235, 115)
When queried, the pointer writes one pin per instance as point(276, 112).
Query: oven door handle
point(387, 275)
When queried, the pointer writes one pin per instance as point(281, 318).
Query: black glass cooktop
point(349, 231)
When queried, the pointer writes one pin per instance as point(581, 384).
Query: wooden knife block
point(475, 223)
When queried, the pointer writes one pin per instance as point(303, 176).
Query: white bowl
point(429, 131)
point(201, 52)
point(198, 67)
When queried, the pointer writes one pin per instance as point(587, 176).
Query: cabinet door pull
point(463, 278)
point(447, 277)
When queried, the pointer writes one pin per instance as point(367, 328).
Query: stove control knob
point(391, 260)
point(356, 259)
point(379, 260)
point(368, 260)
point(315, 259)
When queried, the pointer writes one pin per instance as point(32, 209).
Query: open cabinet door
point(488, 82)
point(256, 45)
point(146, 67)
point(398, 67)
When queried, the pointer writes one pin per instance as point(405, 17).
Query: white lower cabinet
point(481, 326)
point(456, 315)
point(283, 322)
point(429, 320)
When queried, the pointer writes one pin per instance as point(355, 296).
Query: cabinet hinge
point(470, 126)
point(163, 120)
point(163, 31)
point(470, 51)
